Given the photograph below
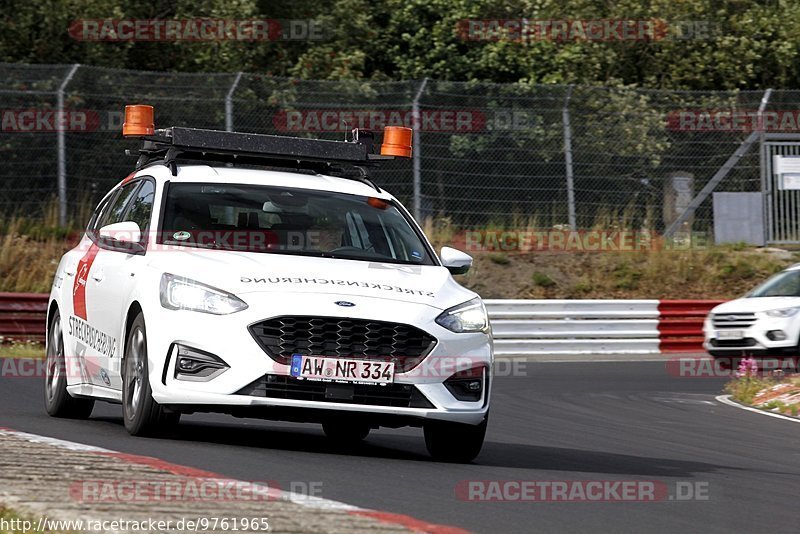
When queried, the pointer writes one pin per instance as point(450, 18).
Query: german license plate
point(323, 369)
point(730, 334)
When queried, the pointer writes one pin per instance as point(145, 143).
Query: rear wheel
point(57, 401)
point(454, 442)
point(142, 415)
point(346, 432)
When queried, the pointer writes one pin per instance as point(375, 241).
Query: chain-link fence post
point(62, 150)
point(416, 203)
point(229, 103)
point(723, 171)
point(568, 160)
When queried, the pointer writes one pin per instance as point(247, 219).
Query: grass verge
point(23, 349)
point(778, 393)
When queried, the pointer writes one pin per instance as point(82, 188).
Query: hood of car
point(241, 273)
point(757, 304)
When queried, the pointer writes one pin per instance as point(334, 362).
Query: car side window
point(116, 211)
point(142, 206)
point(99, 212)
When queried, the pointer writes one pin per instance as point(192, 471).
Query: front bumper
point(228, 338)
point(755, 339)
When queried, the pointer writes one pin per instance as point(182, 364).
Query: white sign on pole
point(786, 164)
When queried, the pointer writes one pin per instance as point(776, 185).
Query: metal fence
point(486, 154)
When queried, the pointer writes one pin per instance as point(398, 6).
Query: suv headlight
point(179, 293)
point(468, 317)
point(784, 312)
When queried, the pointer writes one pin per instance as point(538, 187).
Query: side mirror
point(125, 236)
point(455, 261)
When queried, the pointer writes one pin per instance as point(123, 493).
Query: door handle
point(97, 275)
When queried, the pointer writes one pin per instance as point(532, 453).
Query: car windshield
point(281, 220)
point(785, 284)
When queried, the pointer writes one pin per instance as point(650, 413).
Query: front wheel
point(454, 442)
point(57, 401)
point(142, 415)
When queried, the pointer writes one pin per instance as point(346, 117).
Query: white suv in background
point(766, 321)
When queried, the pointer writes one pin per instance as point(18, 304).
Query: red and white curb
point(313, 503)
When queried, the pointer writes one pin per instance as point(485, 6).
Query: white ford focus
point(267, 277)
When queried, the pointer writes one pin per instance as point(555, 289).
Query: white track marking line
point(60, 443)
point(725, 399)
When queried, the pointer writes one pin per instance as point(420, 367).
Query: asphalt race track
point(560, 422)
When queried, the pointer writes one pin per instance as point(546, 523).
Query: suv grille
point(284, 387)
point(281, 337)
point(733, 320)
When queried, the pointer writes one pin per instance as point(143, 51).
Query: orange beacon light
point(397, 141)
point(138, 121)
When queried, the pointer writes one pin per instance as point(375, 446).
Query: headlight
point(179, 293)
point(785, 312)
point(468, 317)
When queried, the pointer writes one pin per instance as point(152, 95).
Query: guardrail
point(681, 324)
point(520, 327)
point(531, 327)
point(23, 315)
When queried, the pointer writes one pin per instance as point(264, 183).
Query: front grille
point(733, 320)
point(282, 337)
point(745, 342)
point(284, 387)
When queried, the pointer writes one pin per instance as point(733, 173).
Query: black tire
point(57, 401)
point(142, 415)
point(344, 431)
point(454, 442)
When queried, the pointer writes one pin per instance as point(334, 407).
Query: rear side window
point(99, 213)
point(116, 210)
point(142, 206)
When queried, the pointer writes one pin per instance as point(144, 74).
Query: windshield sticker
point(327, 281)
point(181, 236)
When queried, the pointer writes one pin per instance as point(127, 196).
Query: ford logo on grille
point(344, 303)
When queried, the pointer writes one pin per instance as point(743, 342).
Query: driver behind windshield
point(325, 234)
